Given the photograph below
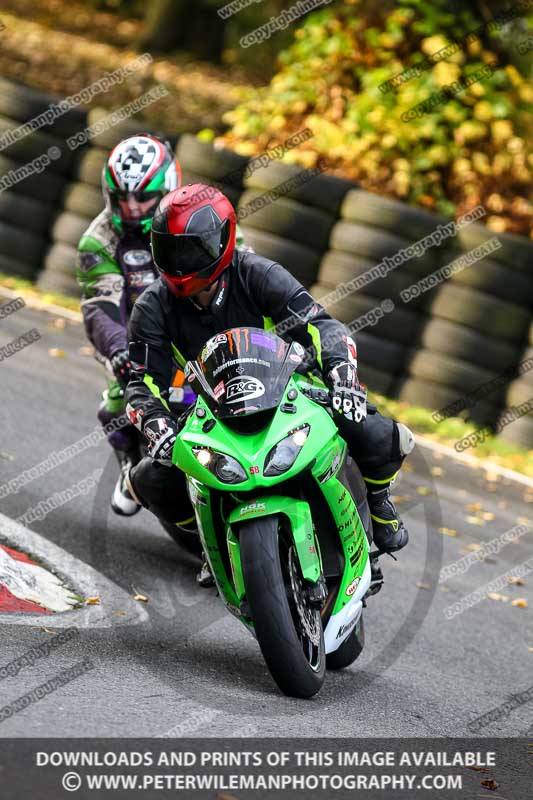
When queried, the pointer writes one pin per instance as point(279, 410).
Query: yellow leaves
point(448, 532)
point(473, 506)
point(519, 603)
point(423, 490)
point(501, 130)
point(437, 471)
point(483, 111)
point(141, 598)
point(445, 73)
point(470, 131)
point(501, 598)
point(431, 44)
point(92, 601)
point(515, 581)
point(513, 75)
point(474, 520)
point(421, 585)
point(56, 352)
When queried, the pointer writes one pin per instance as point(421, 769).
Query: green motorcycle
point(280, 505)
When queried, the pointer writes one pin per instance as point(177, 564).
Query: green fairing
point(322, 448)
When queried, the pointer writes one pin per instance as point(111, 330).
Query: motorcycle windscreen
point(247, 370)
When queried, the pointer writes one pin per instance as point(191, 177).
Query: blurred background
point(385, 182)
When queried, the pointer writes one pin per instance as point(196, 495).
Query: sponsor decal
point(295, 358)
point(243, 388)
point(87, 261)
point(333, 468)
point(212, 345)
point(349, 522)
point(139, 279)
point(254, 470)
point(263, 340)
point(240, 361)
point(219, 390)
point(137, 258)
point(341, 498)
point(351, 588)
point(355, 556)
point(345, 628)
point(298, 348)
point(253, 507)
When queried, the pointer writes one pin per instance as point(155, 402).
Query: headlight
point(223, 467)
point(283, 455)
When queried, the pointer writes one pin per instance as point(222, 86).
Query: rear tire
point(190, 542)
point(296, 663)
point(350, 649)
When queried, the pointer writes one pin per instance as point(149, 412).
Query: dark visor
point(184, 254)
point(139, 197)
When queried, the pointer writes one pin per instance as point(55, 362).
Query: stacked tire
point(28, 206)
point(203, 163)
point(371, 229)
point(475, 328)
point(515, 423)
point(293, 228)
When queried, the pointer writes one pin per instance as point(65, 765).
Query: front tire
point(288, 630)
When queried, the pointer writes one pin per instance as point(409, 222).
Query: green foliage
point(470, 149)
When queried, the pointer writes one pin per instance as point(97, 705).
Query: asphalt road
point(192, 670)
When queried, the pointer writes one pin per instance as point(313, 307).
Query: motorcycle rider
point(114, 267)
point(207, 286)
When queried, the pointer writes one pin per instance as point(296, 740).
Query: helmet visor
point(185, 254)
point(133, 206)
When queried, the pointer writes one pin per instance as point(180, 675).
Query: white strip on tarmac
point(116, 607)
point(471, 461)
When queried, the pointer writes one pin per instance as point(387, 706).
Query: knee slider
point(406, 439)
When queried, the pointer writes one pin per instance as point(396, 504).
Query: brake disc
point(309, 617)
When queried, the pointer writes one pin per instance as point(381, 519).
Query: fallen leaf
point(473, 546)
point(141, 598)
point(92, 601)
point(7, 456)
point(490, 783)
point(120, 613)
point(60, 323)
point(473, 506)
point(48, 630)
point(448, 532)
point(421, 585)
point(502, 598)
point(523, 521)
point(491, 476)
point(423, 490)
point(515, 581)
point(437, 471)
point(520, 603)
point(56, 352)
point(488, 515)
point(444, 589)
point(85, 351)
point(530, 649)
point(474, 520)
point(478, 769)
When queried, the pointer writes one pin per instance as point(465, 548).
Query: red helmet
point(193, 237)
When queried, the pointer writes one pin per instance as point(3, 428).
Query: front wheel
point(288, 629)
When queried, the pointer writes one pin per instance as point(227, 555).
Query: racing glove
point(348, 397)
point(121, 366)
point(161, 434)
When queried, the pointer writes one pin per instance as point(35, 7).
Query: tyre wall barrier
point(431, 350)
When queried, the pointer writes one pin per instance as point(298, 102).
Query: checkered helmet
point(139, 171)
